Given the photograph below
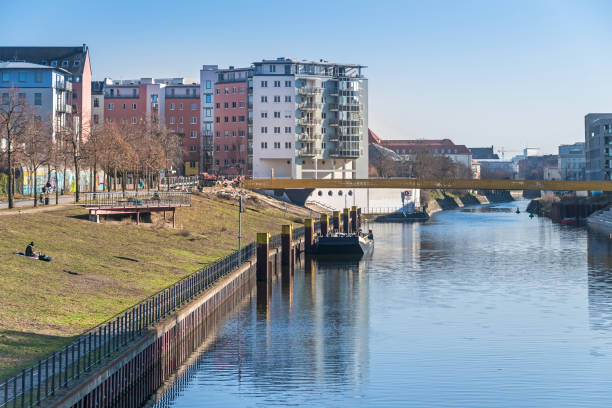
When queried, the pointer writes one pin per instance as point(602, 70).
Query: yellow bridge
point(449, 184)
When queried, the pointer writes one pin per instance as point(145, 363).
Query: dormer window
point(43, 62)
point(65, 63)
point(54, 63)
point(77, 63)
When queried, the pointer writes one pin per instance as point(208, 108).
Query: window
point(277, 84)
point(226, 91)
point(193, 106)
point(277, 98)
point(192, 164)
point(111, 106)
point(38, 76)
point(226, 105)
point(287, 145)
point(226, 148)
point(241, 90)
point(288, 114)
point(226, 119)
point(180, 106)
point(277, 129)
point(22, 76)
point(264, 145)
point(287, 84)
point(225, 162)
point(264, 129)
point(241, 133)
point(218, 119)
point(134, 92)
point(96, 103)
point(133, 120)
point(324, 115)
point(96, 119)
point(133, 106)
point(287, 129)
point(76, 63)
point(277, 114)
point(208, 112)
point(233, 90)
point(241, 118)
point(277, 145)
point(217, 91)
point(181, 120)
point(217, 162)
point(208, 98)
point(217, 148)
point(264, 99)
point(65, 63)
point(5, 98)
point(233, 133)
point(241, 104)
point(172, 120)
point(233, 148)
point(5, 77)
point(123, 106)
point(233, 119)
point(264, 84)
point(272, 68)
point(233, 104)
point(37, 99)
point(226, 133)
point(287, 98)
point(264, 114)
point(208, 84)
point(54, 63)
point(192, 148)
point(193, 120)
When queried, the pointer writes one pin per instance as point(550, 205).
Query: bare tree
point(12, 127)
point(36, 141)
point(72, 142)
point(170, 144)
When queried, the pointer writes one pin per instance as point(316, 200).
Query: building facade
point(208, 77)
point(233, 115)
point(44, 88)
point(444, 147)
point(598, 145)
point(310, 120)
point(132, 101)
point(182, 115)
point(75, 60)
point(97, 103)
point(572, 162)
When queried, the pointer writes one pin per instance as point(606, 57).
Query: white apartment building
point(208, 77)
point(310, 120)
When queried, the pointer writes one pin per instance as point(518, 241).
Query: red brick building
point(182, 115)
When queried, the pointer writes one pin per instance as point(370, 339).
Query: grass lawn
point(98, 270)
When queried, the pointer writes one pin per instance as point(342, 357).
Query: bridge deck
point(449, 184)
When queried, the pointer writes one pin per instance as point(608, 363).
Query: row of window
point(277, 145)
point(193, 120)
point(22, 76)
point(65, 63)
point(240, 118)
point(277, 84)
point(111, 106)
point(193, 106)
point(226, 91)
point(226, 148)
point(276, 114)
point(226, 162)
point(226, 105)
point(234, 134)
point(21, 98)
point(277, 98)
point(276, 129)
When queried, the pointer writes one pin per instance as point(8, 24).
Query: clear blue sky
point(507, 73)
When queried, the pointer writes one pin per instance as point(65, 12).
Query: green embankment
point(99, 270)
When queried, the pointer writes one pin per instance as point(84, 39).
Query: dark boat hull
point(349, 246)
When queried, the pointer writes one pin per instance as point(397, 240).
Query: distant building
point(233, 134)
point(531, 151)
point(208, 77)
point(444, 147)
point(552, 173)
point(44, 88)
point(97, 103)
point(598, 143)
point(572, 161)
point(532, 167)
point(310, 120)
point(498, 169)
point(475, 169)
point(75, 60)
point(483, 153)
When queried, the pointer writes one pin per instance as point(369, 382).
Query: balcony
point(345, 123)
point(332, 106)
point(308, 137)
point(183, 96)
point(309, 106)
point(64, 108)
point(346, 153)
point(332, 91)
point(309, 90)
point(309, 122)
point(309, 152)
point(108, 96)
point(63, 85)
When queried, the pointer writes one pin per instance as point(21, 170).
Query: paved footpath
point(29, 202)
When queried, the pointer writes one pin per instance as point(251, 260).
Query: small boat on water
point(568, 221)
point(343, 245)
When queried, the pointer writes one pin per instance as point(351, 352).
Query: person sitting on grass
point(30, 250)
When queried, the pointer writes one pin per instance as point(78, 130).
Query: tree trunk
point(11, 178)
point(123, 181)
point(76, 180)
point(56, 189)
point(64, 180)
point(95, 177)
point(34, 185)
point(115, 180)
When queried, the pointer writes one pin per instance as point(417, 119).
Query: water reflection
point(600, 281)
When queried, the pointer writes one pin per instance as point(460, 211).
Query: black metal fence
point(137, 199)
point(33, 385)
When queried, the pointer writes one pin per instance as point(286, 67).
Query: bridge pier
point(324, 224)
point(286, 249)
point(308, 235)
point(336, 221)
point(263, 254)
point(345, 221)
point(353, 219)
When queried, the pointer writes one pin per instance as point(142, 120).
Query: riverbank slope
point(98, 270)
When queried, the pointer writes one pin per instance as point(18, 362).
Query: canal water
point(479, 307)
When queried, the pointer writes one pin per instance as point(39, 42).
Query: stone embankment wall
point(557, 208)
point(451, 202)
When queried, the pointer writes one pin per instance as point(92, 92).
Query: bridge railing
point(179, 181)
point(34, 385)
point(136, 199)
